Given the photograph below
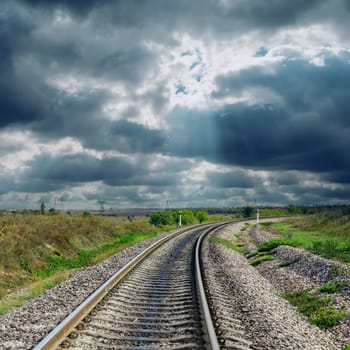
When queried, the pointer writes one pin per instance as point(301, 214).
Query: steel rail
point(208, 322)
point(63, 329)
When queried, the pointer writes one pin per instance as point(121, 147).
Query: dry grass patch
point(35, 247)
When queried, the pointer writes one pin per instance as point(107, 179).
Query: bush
point(248, 211)
point(201, 216)
point(327, 317)
point(162, 218)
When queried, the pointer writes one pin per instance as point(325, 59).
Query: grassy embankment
point(326, 234)
point(40, 251)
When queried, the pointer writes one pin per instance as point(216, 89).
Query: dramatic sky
point(199, 103)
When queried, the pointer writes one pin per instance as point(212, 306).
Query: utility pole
point(180, 213)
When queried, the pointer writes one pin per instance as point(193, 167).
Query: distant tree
point(188, 217)
point(201, 216)
point(162, 218)
point(248, 211)
point(87, 214)
point(294, 210)
point(42, 208)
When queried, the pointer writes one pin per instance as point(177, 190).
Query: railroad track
point(154, 302)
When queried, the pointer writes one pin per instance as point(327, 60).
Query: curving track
point(158, 305)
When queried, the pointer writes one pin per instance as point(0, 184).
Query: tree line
point(171, 217)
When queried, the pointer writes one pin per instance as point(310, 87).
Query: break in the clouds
point(200, 103)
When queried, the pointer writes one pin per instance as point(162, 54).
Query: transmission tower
point(102, 208)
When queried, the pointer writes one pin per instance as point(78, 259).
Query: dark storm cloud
point(124, 136)
point(308, 130)
point(122, 44)
point(123, 64)
point(260, 137)
point(77, 6)
point(234, 179)
point(303, 86)
point(15, 103)
point(273, 12)
point(79, 168)
point(47, 172)
point(286, 179)
point(201, 17)
point(342, 177)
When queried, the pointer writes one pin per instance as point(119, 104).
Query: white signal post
point(180, 213)
point(257, 216)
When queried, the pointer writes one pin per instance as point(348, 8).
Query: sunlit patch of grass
point(33, 290)
point(227, 244)
point(261, 259)
point(318, 242)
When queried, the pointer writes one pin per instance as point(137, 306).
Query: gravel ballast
point(25, 326)
point(257, 290)
point(266, 320)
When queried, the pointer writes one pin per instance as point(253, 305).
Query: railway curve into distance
point(158, 300)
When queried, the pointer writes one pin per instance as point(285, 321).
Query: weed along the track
point(39, 250)
point(319, 310)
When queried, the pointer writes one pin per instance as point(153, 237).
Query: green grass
point(305, 302)
point(266, 223)
point(274, 243)
point(325, 244)
point(37, 248)
point(346, 347)
point(252, 254)
point(261, 259)
point(227, 244)
point(319, 310)
point(328, 316)
point(31, 291)
point(332, 287)
point(88, 257)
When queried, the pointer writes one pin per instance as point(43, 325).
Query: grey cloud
point(110, 42)
point(126, 65)
point(342, 177)
point(234, 179)
point(302, 85)
point(285, 179)
point(78, 168)
point(259, 137)
point(48, 172)
point(124, 136)
point(77, 6)
point(273, 12)
point(307, 131)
